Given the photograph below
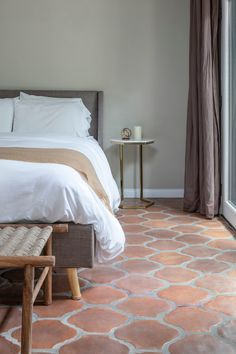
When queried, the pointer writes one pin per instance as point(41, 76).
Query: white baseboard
point(155, 193)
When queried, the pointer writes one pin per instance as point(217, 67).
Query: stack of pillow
point(44, 115)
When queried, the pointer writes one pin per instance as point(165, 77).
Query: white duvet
point(54, 192)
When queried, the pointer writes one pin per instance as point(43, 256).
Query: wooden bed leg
point(74, 283)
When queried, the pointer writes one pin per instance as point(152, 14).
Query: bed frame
point(74, 249)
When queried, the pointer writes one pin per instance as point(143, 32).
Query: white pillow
point(6, 114)
point(54, 118)
point(25, 96)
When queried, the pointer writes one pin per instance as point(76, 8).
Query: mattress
point(45, 192)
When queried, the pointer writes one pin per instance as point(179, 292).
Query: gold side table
point(141, 201)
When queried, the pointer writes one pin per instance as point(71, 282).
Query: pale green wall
point(134, 50)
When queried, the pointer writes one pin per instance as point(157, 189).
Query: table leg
point(141, 170)
point(121, 171)
point(147, 201)
point(142, 202)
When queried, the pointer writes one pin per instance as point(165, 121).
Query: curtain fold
point(202, 158)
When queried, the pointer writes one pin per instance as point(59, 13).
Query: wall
point(134, 50)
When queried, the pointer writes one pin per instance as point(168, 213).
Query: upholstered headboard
point(92, 99)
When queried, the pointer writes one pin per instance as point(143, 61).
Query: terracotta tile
point(193, 319)
point(224, 304)
point(139, 284)
point(9, 317)
point(138, 266)
point(188, 229)
point(101, 274)
point(137, 251)
point(183, 294)
point(223, 244)
point(58, 308)
point(218, 283)
point(227, 257)
point(47, 333)
point(208, 266)
point(166, 245)
point(159, 224)
point(232, 273)
point(98, 320)
point(211, 224)
point(183, 220)
point(102, 295)
point(176, 274)
point(200, 344)
point(135, 239)
point(134, 228)
point(156, 216)
point(169, 229)
point(162, 234)
point(193, 239)
point(178, 212)
point(132, 211)
point(144, 306)
point(131, 219)
point(112, 261)
point(8, 347)
point(94, 344)
point(170, 258)
point(200, 251)
point(146, 334)
point(157, 208)
point(216, 233)
point(228, 331)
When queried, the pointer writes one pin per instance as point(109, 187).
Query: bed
point(76, 248)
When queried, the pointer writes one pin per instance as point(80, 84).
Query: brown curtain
point(202, 159)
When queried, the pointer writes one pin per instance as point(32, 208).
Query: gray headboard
point(93, 100)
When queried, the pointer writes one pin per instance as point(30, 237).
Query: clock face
point(126, 133)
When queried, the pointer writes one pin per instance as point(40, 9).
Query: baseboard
point(155, 193)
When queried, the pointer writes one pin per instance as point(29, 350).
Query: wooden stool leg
point(74, 283)
point(48, 280)
point(27, 310)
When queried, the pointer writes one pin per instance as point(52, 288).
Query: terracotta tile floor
point(172, 291)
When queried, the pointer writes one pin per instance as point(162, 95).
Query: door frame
point(228, 211)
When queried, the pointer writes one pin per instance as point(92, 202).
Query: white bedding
point(53, 192)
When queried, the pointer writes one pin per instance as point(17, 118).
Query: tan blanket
point(71, 158)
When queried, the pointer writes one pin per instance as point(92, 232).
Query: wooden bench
point(71, 272)
point(21, 247)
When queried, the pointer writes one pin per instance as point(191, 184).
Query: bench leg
point(47, 287)
point(27, 310)
point(74, 283)
point(48, 280)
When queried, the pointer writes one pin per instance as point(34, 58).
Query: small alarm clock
point(126, 134)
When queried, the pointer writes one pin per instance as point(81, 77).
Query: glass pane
point(232, 125)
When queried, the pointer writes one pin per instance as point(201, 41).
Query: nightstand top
point(132, 141)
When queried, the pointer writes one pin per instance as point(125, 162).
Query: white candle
point(137, 133)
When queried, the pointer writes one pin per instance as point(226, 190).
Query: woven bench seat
point(22, 246)
point(22, 241)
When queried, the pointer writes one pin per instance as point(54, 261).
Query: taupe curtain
point(202, 159)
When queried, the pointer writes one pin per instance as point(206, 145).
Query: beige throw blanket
point(71, 158)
